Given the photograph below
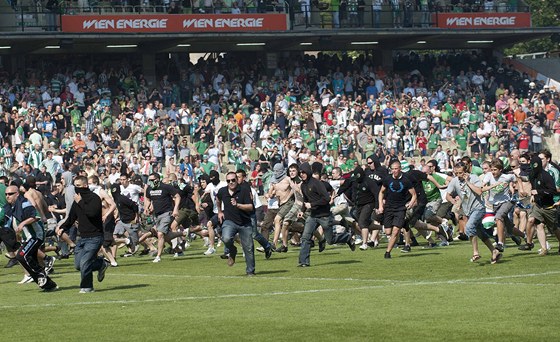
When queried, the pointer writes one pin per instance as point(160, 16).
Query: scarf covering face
point(279, 173)
point(536, 167)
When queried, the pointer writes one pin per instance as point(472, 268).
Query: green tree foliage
point(544, 13)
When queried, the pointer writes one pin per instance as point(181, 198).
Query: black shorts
point(394, 219)
point(363, 215)
point(8, 236)
point(108, 230)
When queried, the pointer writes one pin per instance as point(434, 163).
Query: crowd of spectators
point(229, 113)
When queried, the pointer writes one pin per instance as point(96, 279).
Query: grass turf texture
point(428, 294)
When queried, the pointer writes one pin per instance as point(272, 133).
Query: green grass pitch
point(426, 295)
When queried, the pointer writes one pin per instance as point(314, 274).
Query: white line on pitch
point(241, 295)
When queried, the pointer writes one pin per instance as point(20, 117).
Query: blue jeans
point(86, 260)
point(311, 224)
point(256, 235)
point(474, 225)
point(229, 230)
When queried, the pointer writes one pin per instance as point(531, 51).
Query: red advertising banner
point(147, 23)
point(483, 20)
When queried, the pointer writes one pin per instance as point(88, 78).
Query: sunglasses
point(10, 193)
point(231, 180)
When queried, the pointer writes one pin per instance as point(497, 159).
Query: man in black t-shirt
point(162, 200)
point(396, 190)
point(235, 218)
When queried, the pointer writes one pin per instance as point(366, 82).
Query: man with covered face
point(162, 200)
point(316, 200)
point(544, 208)
point(364, 199)
point(87, 210)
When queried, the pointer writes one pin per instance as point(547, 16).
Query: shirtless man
point(109, 249)
point(281, 188)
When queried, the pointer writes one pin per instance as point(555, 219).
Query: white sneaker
point(114, 264)
point(358, 241)
point(210, 251)
point(87, 290)
point(157, 259)
point(26, 279)
point(364, 246)
point(260, 249)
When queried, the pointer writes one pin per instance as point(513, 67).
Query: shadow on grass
point(271, 272)
point(341, 262)
point(412, 255)
point(123, 287)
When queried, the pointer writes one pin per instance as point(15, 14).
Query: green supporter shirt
point(149, 136)
point(556, 175)
point(473, 121)
point(201, 147)
point(431, 190)
point(308, 140)
point(433, 141)
point(76, 116)
point(477, 171)
point(207, 167)
point(461, 140)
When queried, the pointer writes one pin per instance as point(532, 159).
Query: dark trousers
point(86, 260)
point(27, 257)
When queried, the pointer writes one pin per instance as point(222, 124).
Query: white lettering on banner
point(198, 23)
point(142, 23)
point(224, 23)
point(104, 24)
point(481, 21)
point(494, 21)
point(459, 21)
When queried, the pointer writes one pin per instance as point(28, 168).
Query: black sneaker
point(11, 263)
point(311, 244)
point(500, 247)
point(463, 237)
point(527, 247)
point(322, 245)
point(387, 255)
point(303, 265)
point(268, 252)
point(145, 252)
point(101, 272)
point(224, 256)
point(443, 232)
point(282, 249)
point(49, 263)
point(516, 239)
point(406, 249)
point(352, 244)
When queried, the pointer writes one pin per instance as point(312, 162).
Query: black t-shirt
point(124, 132)
point(242, 195)
point(186, 197)
point(416, 177)
point(396, 192)
point(162, 198)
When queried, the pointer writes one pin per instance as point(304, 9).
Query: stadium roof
point(305, 39)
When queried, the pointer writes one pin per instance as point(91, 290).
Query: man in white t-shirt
point(499, 187)
point(130, 190)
